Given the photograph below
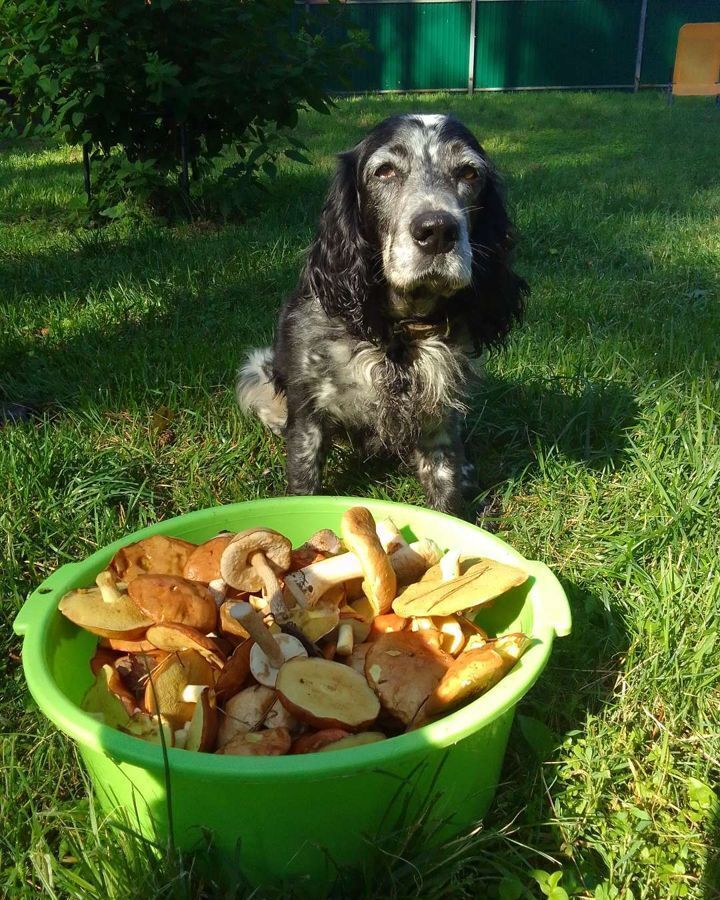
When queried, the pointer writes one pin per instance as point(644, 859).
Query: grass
point(597, 436)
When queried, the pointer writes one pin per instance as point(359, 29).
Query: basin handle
point(554, 599)
point(45, 596)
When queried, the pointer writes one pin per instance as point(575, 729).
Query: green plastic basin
point(287, 817)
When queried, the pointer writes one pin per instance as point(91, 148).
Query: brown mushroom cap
point(360, 537)
point(118, 619)
point(235, 566)
point(203, 564)
point(171, 637)
point(170, 598)
point(156, 555)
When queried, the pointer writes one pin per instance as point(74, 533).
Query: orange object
point(697, 61)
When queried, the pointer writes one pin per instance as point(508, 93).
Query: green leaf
point(541, 739)
point(702, 797)
point(510, 888)
point(297, 157)
point(48, 86)
point(114, 212)
point(77, 118)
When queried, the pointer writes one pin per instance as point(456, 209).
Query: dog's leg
point(442, 468)
point(305, 448)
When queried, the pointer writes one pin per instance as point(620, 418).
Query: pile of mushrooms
point(245, 646)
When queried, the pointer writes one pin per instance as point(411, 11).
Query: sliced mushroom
point(317, 621)
point(387, 624)
point(175, 600)
point(156, 555)
point(327, 694)
point(252, 561)
point(356, 660)
point(111, 614)
point(482, 583)
point(511, 647)
point(353, 629)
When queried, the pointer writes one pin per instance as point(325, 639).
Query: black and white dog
point(406, 281)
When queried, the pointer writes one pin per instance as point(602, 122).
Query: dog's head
point(415, 225)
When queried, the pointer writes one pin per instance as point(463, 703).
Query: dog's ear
point(496, 297)
point(339, 269)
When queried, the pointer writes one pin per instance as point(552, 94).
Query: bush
point(158, 91)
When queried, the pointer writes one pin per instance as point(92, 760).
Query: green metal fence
point(513, 44)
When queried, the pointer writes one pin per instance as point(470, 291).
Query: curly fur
point(378, 338)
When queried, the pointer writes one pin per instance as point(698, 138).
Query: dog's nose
point(434, 232)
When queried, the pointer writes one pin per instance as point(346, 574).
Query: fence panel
point(664, 18)
point(416, 46)
point(519, 43)
point(555, 43)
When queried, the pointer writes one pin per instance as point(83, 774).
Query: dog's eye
point(386, 170)
point(468, 174)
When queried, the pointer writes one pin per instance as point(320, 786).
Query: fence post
point(473, 41)
point(640, 45)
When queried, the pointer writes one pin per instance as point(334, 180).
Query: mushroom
point(450, 565)
point(269, 742)
point(327, 694)
point(108, 699)
point(165, 687)
point(203, 564)
point(147, 728)
point(171, 637)
point(263, 669)
point(105, 611)
point(252, 623)
point(173, 599)
point(358, 531)
point(389, 536)
point(403, 670)
point(252, 561)
point(245, 711)
point(353, 629)
point(482, 582)
point(307, 586)
point(157, 555)
point(234, 673)
point(202, 728)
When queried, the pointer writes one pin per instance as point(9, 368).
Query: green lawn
point(597, 435)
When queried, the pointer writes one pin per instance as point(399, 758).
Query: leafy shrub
point(159, 90)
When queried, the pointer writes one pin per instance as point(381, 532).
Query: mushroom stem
point(389, 536)
point(308, 585)
point(191, 692)
point(218, 588)
point(450, 565)
point(345, 640)
point(252, 622)
point(272, 589)
point(108, 588)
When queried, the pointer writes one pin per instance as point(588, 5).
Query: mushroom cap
point(235, 567)
point(171, 637)
point(203, 564)
point(170, 598)
point(360, 537)
point(119, 619)
point(158, 555)
point(480, 584)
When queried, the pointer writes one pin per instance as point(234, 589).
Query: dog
point(407, 281)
